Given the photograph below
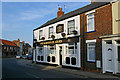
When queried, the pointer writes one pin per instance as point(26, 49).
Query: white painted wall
point(58, 35)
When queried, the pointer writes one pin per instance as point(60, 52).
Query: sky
point(20, 18)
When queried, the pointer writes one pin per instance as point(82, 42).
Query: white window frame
point(89, 53)
point(90, 17)
point(50, 32)
point(54, 49)
point(71, 27)
point(42, 50)
point(40, 34)
point(67, 50)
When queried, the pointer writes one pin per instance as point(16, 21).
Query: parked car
point(18, 56)
point(24, 57)
point(30, 57)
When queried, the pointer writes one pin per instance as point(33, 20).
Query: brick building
point(94, 47)
point(8, 48)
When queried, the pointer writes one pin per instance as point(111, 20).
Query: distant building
point(20, 45)
point(24, 48)
point(8, 48)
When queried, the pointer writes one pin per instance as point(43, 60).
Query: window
point(50, 31)
point(40, 50)
point(67, 60)
point(90, 22)
point(71, 26)
point(10, 48)
point(40, 34)
point(51, 49)
point(72, 48)
point(4, 47)
point(118, 53)
point(73, 61)
point(91, 52)
point(53, 58)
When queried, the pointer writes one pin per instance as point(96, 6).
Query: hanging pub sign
point(59, 28)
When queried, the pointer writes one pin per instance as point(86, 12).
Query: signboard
point(51, 42)
point(59, 41)
point(59, 28)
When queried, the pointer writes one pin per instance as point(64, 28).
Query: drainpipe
point(83, 42)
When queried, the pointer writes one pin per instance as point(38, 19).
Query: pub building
point(58, 41)
point(87, 38)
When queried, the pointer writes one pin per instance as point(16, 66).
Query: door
point(118, 59)
point(109, 60)
point(60, 55)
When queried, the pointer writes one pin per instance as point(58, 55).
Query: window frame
point(50, 32)
point(74, 45)
point(41, 34)
point(69, 28)
point(88, 53)
point(48, 49)
point(91, 17)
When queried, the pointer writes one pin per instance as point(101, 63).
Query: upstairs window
point(90, 22)
point(50, 31)
point(71, 26)
point(40, 34)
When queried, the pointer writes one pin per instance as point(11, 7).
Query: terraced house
point(87, 38)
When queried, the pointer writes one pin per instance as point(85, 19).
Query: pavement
point(86, 74)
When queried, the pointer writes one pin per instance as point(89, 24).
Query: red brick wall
point(103, 26)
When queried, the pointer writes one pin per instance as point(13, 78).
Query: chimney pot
point(60, 12)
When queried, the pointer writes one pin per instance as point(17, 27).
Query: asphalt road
point(11, 68)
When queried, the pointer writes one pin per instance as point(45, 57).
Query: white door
point(118, 58)
point(109, 59)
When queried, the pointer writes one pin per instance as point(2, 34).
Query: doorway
point(60, 55)
point(118, 48)
point(109, 59)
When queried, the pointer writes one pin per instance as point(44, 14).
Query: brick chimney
point(92, 1)
point(18, 40)
point(60, 12)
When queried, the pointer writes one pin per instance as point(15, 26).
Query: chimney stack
point(60, 12)
point(92, 1)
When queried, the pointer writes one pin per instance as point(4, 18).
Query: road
point(12, 68)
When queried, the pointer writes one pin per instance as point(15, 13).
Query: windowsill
point(91, 61)
point(90, 31)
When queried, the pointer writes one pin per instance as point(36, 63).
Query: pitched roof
point(75, 12)
point(6, 42)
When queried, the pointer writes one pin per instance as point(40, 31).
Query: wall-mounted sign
point(51, 42)
point(59, 41)
point(59, 28)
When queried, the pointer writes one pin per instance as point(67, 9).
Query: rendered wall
point(116, 15)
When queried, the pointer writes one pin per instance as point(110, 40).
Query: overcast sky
point(20, 18)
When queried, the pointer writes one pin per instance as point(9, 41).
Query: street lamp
point(35, 44)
